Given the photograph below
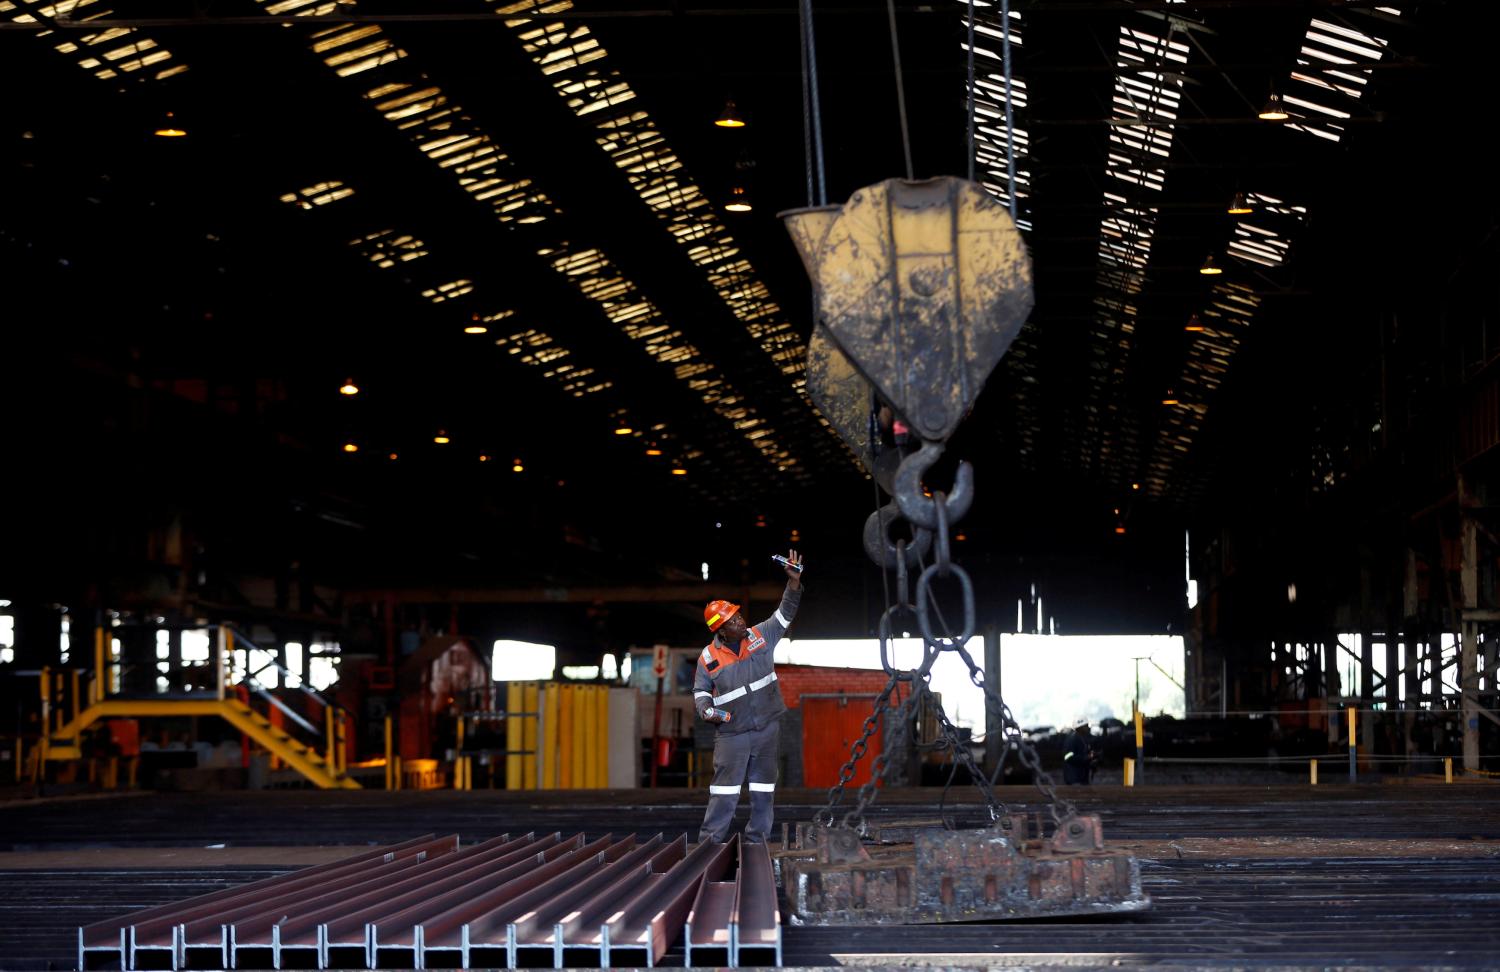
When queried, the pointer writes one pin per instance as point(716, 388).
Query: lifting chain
point(931, 516)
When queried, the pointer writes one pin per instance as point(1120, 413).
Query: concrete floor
point(1291, 876)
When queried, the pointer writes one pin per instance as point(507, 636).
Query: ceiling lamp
point(484, 458)
point(516, 465)
point(739, 200)
point(393, 457)
point(1240, 205)
point(442, 437)
point(653, 451)
point(169, 127)
point(475, 326)
point(1274, 109)
point(678, 471)
point(1119, 528)
point(624, 429)
point(730, 117)
point(1169, 398)
point(350, 447)
point(348, 387)
point(1193, 324)
point(1135, 485)
point(1210, 268)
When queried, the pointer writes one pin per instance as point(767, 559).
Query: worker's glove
point(711, 714)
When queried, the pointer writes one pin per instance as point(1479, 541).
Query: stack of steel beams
point(508, 901)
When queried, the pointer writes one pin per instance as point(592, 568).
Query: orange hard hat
point(718, 612)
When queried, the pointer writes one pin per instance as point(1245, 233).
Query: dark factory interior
point(404, 402)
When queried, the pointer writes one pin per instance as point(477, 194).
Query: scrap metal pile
point(920, 288)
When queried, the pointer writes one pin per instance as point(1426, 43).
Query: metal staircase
point(324, 770)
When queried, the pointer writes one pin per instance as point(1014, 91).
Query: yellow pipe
point(549, 738)
point(1312, 772)
point(528, 736)
point(390, 765)
point(458, 755)
point(601, 736)
point(45, 683)
point(1353, 718)
point(96, 691)
point(1140, 730)
point(328, 741)
point(580, 733)
point(229, 663)
point(565, 736)
point(513, 697)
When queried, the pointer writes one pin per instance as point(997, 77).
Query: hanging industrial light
point(730, 117)
point(475, 325)
point(1274, 109)
point(516, 465)
point(1210, 268)
point(1193, 324)
point(1170, 398)
point(739, 200)
point(442, 437)
point(169, 128)
point(1240, 205)
point(348, 387)
point(351, 447)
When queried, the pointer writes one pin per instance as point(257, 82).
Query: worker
point(1078, 760)
point(735, 688)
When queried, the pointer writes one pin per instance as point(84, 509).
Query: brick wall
point(797, 680)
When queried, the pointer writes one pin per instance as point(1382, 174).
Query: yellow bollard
point(1447, 769)
point(1129, 771)
point(1312, 772)
point(390, 763)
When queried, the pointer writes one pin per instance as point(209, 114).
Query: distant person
point(1078, 760)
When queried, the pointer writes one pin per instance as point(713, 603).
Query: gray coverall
point(742, 681)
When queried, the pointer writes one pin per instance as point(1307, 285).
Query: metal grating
point(516, 902)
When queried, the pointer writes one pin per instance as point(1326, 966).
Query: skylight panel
point(1328, 71)
point(321, 194)
point(106, 54)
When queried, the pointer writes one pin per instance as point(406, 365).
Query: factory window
point(7, 638)
point(323, 665)
point(522, 661)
